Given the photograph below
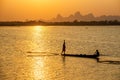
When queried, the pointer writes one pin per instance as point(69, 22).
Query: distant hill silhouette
point(73, 20)
point(89, 17)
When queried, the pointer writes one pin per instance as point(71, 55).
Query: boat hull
point(80, 55)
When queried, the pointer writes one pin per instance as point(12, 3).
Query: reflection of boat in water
point(81, 55)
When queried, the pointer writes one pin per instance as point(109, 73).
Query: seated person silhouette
point(97, 53)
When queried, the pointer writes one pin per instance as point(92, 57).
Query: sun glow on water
point(38, 28)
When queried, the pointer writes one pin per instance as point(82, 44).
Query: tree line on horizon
point(75, 22)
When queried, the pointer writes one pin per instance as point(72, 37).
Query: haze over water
point(33, 53)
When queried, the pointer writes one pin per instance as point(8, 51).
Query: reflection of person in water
point(97, 53)
point(64, 47)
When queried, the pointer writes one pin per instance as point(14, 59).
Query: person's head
point(97, 50)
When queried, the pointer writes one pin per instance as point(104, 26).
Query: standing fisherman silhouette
point(63, 48)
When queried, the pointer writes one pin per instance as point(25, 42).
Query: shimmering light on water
point(38, 68)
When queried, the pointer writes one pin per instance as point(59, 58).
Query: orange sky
point(11, 10)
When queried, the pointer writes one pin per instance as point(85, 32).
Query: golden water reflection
point(38, 68)
point(38, 63)
point(47, 68)
point(37, 32)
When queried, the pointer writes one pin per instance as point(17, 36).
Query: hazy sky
point(47, 9)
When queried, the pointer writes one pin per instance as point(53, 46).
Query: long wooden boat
point(81, 55)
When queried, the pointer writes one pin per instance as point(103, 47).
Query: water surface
point(33, 53)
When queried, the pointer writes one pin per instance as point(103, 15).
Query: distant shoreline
point(74, 23)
